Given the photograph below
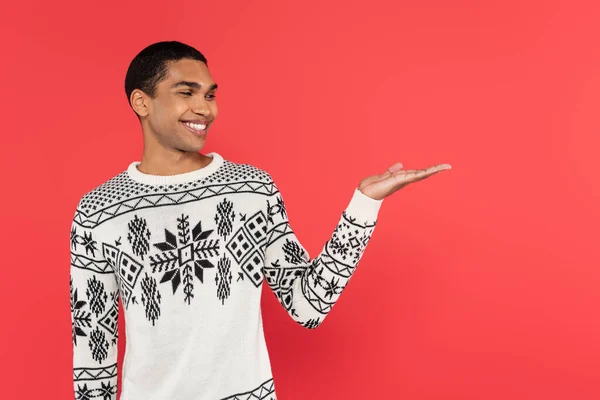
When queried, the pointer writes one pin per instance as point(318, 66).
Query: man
point(186, 240)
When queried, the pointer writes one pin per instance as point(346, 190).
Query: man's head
point(169, 87)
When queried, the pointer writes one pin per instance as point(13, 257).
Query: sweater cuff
point(363, 207)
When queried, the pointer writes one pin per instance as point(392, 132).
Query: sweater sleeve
point(308, 288)
point(94, 315)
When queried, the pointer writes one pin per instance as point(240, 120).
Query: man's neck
point(172, 164)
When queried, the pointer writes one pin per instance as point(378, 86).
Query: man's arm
point(94, 315)
point(308, 288)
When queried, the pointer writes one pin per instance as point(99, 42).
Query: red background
point(480, 282)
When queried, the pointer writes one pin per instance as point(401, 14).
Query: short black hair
point(150, 66)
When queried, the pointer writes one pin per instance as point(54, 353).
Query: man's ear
point(140, 102)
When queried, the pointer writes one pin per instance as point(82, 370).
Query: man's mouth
point(197, 128)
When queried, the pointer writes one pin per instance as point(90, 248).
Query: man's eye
point(186, 93)
point(212, 96)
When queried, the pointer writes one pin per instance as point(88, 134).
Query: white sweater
point(187, 255)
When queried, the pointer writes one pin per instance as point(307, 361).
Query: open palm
point(395, 178)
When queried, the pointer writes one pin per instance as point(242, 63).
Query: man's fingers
point(414, 175)
point(404, 176)
point(395, 168)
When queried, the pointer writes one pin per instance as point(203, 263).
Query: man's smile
point(196, 127)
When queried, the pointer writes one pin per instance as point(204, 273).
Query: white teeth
point(197, 127)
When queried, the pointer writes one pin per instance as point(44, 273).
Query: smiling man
point(186, 241)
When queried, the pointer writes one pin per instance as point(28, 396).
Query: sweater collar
point(149, 179)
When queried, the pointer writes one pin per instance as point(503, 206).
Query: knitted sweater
point(187, 255)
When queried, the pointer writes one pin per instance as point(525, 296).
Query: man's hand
point(380, 186)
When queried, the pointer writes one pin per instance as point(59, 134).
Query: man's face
point(183, 100)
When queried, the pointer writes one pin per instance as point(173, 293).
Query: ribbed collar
point(190, 176)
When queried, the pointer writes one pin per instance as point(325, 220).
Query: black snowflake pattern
point(224, 218)
point(277, 208)
point(106, 391)
point(185, 256)
point(81, 318)
point(151, 298)
point(293, 252)
point(138, 236)
point(339, 247)
point(96, 295)
point(86, 241)
point(223, 278)
point(83, 392)
point(331, 287)
point(99, 345)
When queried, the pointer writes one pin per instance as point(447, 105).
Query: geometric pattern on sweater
point(281, 282)
point(266, 391)
point(107, 390)
point(101, 380)
point(120, 194)
point(322, 279)
point(84, 374)
point(105, 313)
point(86, 261)
point(246, 244)
point(158, 200)
point(126, 269)
point(279, 231)
point(97, 266)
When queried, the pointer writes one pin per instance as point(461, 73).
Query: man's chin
point(196, 146)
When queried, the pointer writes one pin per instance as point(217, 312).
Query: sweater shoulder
point(113, 188)
point(246, 171)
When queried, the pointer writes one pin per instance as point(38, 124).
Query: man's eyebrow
point(194, 85)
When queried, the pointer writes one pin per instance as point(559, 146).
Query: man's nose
point(200, 106)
